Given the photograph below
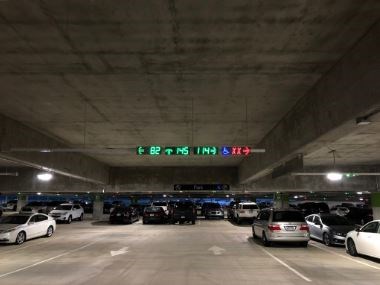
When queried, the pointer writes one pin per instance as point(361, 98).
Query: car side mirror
point(357, 229)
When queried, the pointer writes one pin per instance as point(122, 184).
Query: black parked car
point(154, 214)
point(183, 212)
point(309, 208)
point(124, 214)
point(359, 216)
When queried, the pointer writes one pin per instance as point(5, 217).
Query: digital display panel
point(235, 150)
point(206, 150)
point(149, 150)
point(177, 150)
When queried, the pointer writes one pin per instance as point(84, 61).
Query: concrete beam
point(327, 112)
point(162, 179)
point(14, 134)
point(26, 182)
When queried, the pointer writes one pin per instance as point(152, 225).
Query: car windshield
point(213, 206)
point(335, 220)
point(14, 220)
point(250, 206)
point(184, 205)
point(160, 204)
point(288, 216)
point(153, 209)
point(64, 207)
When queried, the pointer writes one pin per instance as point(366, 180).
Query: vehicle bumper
point(60, 218)
point(338, 240)
point(274, 237)
point(183, 218)
point(215, 215)
point(7, 238)
point(153, 219)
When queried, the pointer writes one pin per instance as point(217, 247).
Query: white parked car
point(67, 213)
point(365, 240)
point(162, 204)
point(246, 211)
point(18, 228)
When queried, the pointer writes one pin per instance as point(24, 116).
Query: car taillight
point(274, 228)
point(304, 228)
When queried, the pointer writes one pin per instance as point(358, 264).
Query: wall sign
point(201, 187)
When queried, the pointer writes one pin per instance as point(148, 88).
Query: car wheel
point(265, 240)
point(21, 237)
point(81, 217)
point(181, 222)
point(326, 239)
point(49, 231)
point(193, 222)
point(69, 220)
point(351, 248)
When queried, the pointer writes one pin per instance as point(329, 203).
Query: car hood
point(5, 227)
point(59, 211)
point(342, 229)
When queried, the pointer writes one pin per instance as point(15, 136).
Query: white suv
point(67, 213)
point(246, 211)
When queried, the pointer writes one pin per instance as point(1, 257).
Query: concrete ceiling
point(127, 73)
point(360, 147)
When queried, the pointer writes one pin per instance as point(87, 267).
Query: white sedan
point(67, 212)
point(18, 228)
point(365, 240)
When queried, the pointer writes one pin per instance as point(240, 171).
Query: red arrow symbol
point(246, 150)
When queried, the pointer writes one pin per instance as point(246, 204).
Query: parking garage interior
point(122, 104)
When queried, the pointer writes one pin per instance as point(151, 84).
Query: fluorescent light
point(359, 193)
point(45, 176)
point(334, 176)
point(39, 193)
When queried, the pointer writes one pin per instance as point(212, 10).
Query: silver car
point(281, 225)
point(331, 229)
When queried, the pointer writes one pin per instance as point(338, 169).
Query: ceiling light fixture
point(334, 176)
point(44, 176)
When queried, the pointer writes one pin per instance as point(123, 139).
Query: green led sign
point(206, 150)
point(149, 150)
point(177, 150)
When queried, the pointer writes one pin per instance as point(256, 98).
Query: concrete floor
point(211, 252)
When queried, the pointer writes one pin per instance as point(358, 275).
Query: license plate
point(152, 215)
point(118, 214)
point(290, 228)
point(182, 217)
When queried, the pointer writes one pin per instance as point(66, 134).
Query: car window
point(265, 216)
point(77, 207)
point(317, 220)
point(288, 216)
point(310, 219)
point(33, 219)
point(41, 218)
point(371, 228)
point(250, 207)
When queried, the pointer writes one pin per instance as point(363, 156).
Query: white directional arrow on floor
point(216, 250)
point(123, 250)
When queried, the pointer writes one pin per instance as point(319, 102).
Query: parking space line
point(346, 257)
point(46, 260)
point(286, 265)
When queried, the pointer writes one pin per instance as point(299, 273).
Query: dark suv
point(183, 212)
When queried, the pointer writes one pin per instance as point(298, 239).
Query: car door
point(367, 238)
point(318, 228)
point(42, 224)
point(32, 227)
point(76, 211)
point(310, 222)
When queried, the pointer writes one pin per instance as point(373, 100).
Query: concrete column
point(281, 200)
point(97, 213)
point(375, 201)
point(22, 200)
